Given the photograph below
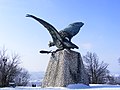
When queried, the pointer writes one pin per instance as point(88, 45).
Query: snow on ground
point(70, 87)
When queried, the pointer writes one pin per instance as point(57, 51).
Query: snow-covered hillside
point(36, 75)
point(70, 87)
point(36, 78)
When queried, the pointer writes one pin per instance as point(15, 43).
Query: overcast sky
point(100, 33)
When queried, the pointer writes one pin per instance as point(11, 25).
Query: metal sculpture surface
point(61, 39)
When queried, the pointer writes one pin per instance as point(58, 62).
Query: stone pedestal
point(65, 67)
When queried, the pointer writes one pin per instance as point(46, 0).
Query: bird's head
point(77, 24)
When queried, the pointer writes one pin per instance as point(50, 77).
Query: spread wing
point(53, 32)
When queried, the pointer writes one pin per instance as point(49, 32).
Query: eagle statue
point(61, 39)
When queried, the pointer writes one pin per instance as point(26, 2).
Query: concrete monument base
point(65, 67)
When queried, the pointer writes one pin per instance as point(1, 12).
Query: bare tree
point(97, 72)
point(23, 78)
point(111, 79)
point(9, 67)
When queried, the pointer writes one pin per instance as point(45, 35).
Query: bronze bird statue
point(61, 39)
point(69, 31)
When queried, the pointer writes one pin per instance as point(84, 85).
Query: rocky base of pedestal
point(65, 67)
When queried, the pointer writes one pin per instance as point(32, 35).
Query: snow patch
point(70, 87)
point(77, 86)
